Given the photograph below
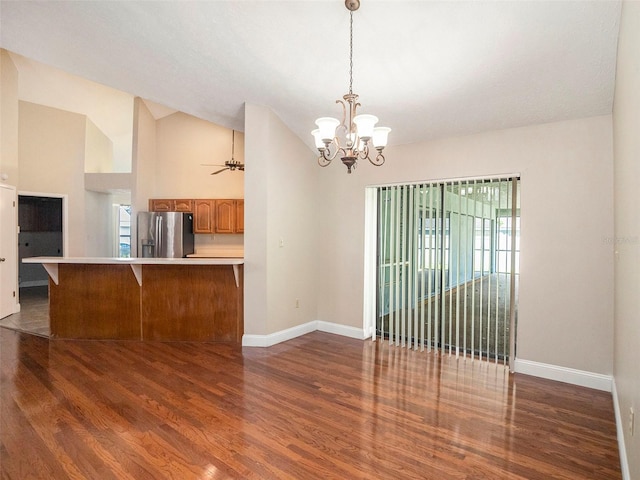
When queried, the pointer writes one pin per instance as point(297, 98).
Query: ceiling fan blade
point(222, 170)
point(212, 165)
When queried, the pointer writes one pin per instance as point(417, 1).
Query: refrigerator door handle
point(159, 241)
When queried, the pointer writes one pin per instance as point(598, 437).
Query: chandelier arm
point(326, 157)
point(339, 150)
point(323, 162)
point(379, 160)
point(344, 115)
point(364, 153)
point(352, 112)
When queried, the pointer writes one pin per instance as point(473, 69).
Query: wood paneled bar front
point(162, 299)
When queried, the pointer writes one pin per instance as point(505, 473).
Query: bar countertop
point(50, 264)
point(138, 261)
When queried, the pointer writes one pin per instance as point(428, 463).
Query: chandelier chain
point(351, 52)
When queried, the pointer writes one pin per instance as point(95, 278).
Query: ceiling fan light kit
point(352, 138)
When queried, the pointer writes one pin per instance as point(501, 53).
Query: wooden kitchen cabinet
point(209, 215)
point(183, 205)
point(225, 216)
point(160, 205)
point(170, 205)
point(229, 216)
point(204, 216)
point(239, 216)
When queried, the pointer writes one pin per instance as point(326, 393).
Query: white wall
point(626, 122)
point(282, 238)
point(183, 144)
point(98, 150)
point(143, 164)
point(144, 156)
point(8, 119)
point(256, 219)
point(51, 152)
point(565, 311)
point(53, 148)
point(110, 110)
point(99, 221)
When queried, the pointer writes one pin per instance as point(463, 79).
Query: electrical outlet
point(631, 421)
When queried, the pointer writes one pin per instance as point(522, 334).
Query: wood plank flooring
point(317, 407)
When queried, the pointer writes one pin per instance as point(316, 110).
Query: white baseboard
point(293, 332)
point(345, 331)
point(596, 381)
point(278, 337)
point(620, 424)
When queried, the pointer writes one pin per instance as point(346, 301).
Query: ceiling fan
point(230, 165)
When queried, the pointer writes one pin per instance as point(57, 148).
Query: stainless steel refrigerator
point(165, 234)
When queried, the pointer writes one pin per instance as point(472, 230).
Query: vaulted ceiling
point(427, 69)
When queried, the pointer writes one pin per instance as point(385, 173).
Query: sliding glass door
point(447, 266)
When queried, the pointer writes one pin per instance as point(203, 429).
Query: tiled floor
point(34, 312)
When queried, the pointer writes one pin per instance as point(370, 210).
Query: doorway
point(41, 219)
point(41, 235)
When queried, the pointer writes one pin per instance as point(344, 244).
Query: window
point(124, 231)
point(504, 244)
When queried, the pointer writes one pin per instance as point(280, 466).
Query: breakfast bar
point(162, 299)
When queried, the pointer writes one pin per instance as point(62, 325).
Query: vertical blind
point(448, 256)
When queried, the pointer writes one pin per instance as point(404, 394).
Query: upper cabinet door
point(170, 205)
point(183, 205)
point(204, 216)
point(239, 216)
point(161, 205)
point(225, 216)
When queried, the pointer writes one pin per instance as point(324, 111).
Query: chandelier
point(352, 138)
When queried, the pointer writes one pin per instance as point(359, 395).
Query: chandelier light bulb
point(327, 127)
point(380, 136)
point(364, 124)
point(316, 136)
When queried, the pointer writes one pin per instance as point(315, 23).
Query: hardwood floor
point(319, 406)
